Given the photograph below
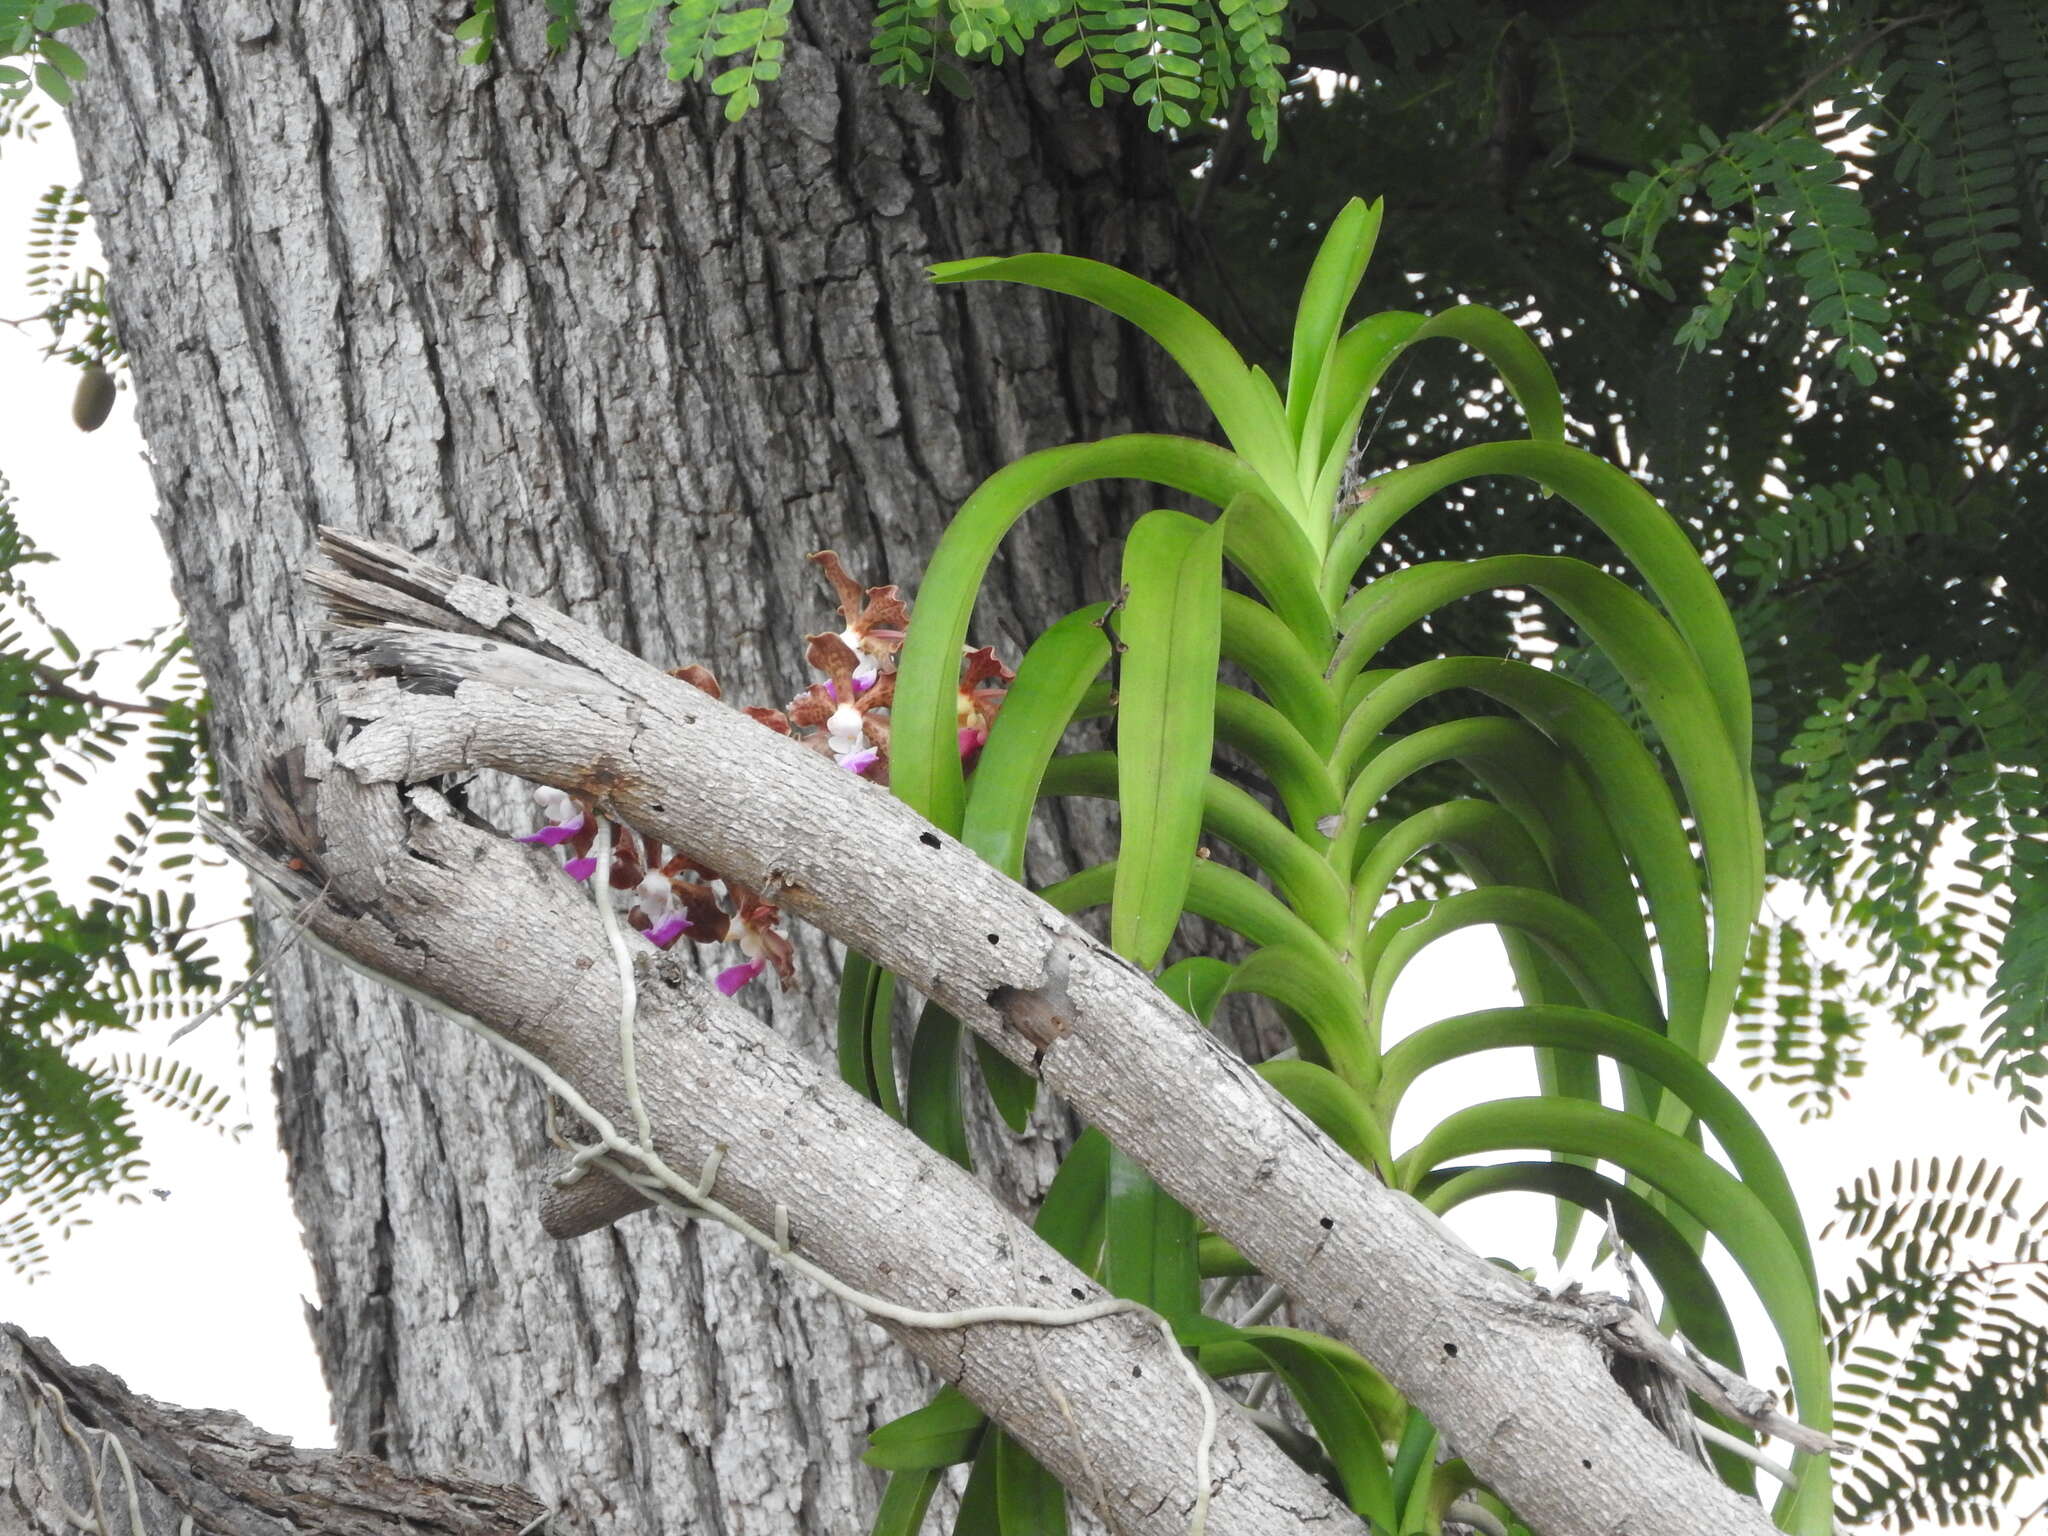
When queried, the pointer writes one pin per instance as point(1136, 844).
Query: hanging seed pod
point(94, 401)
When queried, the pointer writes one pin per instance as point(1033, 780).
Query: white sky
point(196, 1299)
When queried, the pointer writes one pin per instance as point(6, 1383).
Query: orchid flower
point(566, 823)
point(762, 945)
point(657, 904)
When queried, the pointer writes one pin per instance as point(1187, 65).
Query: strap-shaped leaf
point(1344, 1398)
point(1665, 676)
point(1215, 892)
point(1293, 767)
point(1324, 1005)
point(1644, 532)
point(943, 1433)
point(1630, 787)
point(1308, 883)
point(1343, 1114)
point(1374, 344)
point(933, 1104)
point(1029, 1499)
point(1196, 984)
point(1332, 281)
point(1291, 675)
point(1520, 767)
point(1148, 1249)
point(905, 1501)
point(1171, 629)
point(1578, 1029)
point(924, 741)
point(1727, 1207)
point(1052, 682)
point(1492, 848)
point(1598, 968)
point(1250, 416)
point(866, 994)
point(1053, 685)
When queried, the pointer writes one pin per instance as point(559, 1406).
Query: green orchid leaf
point(866, 994)
point(1290, 675)
point(1537, 784)
point(1215, 892)
point(1171, 629)
point(924, 742)
point(1665, 676)
point(1324, 1003)
point(1332, 282)
point(944, 1432)
point(1624, 778)
point(1339, 1110)
point(1071, 1216)
point(1293, 767)
point(1029, 1499)
point(1307, 882)
point(1598, 969)
point(1148, 1251)
point(1249, 415)
point(1582, 1031)
point(905, 1502)
point(1051, 687)
point(980, 1514)
point(1196, 984)
point(933, 1099)
point(1055, 684)
point(1644, 532)
point(1723, 1204)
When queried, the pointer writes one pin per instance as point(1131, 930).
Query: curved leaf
point(1290, 674)
point(1644, 532)
point(1309, 884)
point(1316, 990)
point(1250, 416)
point(1339, 1110)
point(1722, 1203)
point(1171, 629)
point(1575, 1029)
point(1665, 676)
point(1052, 681)
point(924, 742)
point(1291, 765)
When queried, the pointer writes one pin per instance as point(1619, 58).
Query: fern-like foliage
point(1916, 803)
point(1947, 106)
point(1941, 1343)
point(128, 956)
point(1792, 189)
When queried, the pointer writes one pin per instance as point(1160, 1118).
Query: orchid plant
point(1623, 873)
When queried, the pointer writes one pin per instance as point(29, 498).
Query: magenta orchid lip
point(844, 715)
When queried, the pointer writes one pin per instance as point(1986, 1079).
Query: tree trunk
point(554, 322)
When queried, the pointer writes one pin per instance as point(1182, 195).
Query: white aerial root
point(636, 1164)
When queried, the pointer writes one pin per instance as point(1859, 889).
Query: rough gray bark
point(554, 323)
point(76, 1446)
point(1517, 1383)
